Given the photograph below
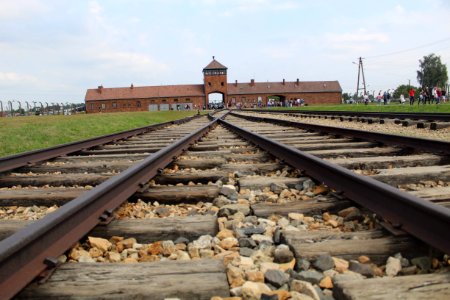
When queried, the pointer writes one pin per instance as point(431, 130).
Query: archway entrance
point(216, 101)
point(276, 100)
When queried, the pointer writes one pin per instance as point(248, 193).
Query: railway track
point(432, 121)
point(225, 217)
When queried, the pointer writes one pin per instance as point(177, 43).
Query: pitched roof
point(192, 90)
point(288, 87)
point(214, 64)
point(182, 90)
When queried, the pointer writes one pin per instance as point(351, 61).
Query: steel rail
point(19, 160)
point(391, 115)
point(30, 251)
point(422, 219)
point(391, 139)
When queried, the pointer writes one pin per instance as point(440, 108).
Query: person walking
point(438, 95)
point(366, 99)
point(430, 95)
point(411, 96)
point(385, 97)
point(422, 96)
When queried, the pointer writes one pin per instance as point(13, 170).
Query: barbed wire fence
point(16, 108)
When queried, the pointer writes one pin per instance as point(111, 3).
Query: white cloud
point(361, 36)
point(130, 60)
point(253, 6)
point(94, 8)
point(360, 42)
point(16, 9)
point(15, 77)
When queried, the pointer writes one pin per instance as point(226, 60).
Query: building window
point(129, 104)
point(222, 84)
point(188, 99)
point(138, 103)
point(164, 100)
point(152, 101)
point(175, 100)
point(209, 83)
point(92, 105)
point(114, 105)
point(103, 105)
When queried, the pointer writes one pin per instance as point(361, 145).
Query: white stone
point(296, 216)
point(260, 237)
point(246, 262)
point(86, 259)
point(253, 290)
point(182, 255)
point(393, 266)
point(298, 296)
point(283, 222)
point(203, 242)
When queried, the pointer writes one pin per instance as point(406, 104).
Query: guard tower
point(215, 80)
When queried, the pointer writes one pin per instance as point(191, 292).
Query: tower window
point(222, 84)
point(209, 83)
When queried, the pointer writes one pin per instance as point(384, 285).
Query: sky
point(54, 50)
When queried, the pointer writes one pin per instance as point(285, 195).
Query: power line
point(410, 49)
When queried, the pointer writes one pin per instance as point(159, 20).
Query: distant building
point(198, 96)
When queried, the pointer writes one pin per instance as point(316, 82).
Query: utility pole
point(360, 75)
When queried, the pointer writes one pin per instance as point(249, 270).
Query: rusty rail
point(422, 219)
point(390, 115)
point(389, 139)
point(19, 160)
point(34, 249)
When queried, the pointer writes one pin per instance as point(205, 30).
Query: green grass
point(405, 108)
point(20, 134)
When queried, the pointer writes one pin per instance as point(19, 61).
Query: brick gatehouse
point(215, 84)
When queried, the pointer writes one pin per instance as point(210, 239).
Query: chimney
point(132, 86)
point(235, 83)
point(284, 81)
point(298, 82)
point(252, 82)
point(100, 87)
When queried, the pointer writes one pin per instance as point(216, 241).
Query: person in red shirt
point(411, 96)
point(439, 95)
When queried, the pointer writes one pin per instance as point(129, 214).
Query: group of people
point(287, 103)
point(385, 97)
point(428, 94)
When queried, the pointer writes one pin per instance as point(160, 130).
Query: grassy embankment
point(20, 134)
point(406, 108)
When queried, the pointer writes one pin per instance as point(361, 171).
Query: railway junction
point(236, 205)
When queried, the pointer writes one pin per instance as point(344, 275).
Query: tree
point(404, 89)
point(346, 96)
point(432, 72)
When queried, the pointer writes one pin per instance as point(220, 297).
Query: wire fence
point(16, 108)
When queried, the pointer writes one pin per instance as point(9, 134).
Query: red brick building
point(193, 96)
